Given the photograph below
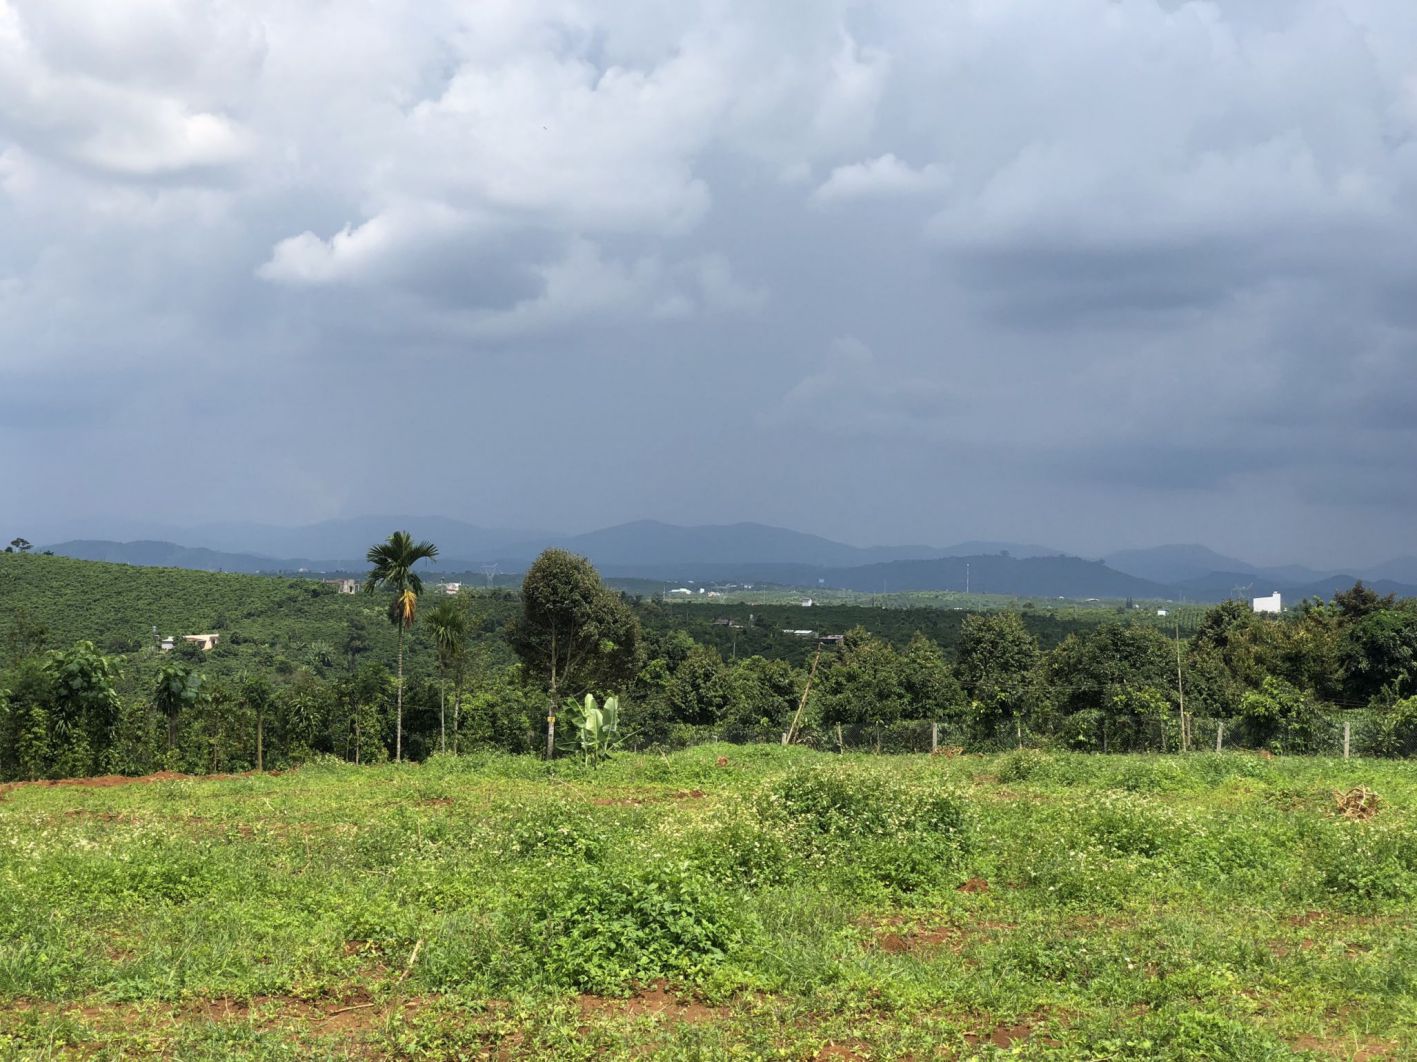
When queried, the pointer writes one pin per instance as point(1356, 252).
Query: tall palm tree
point(393, 563)
point(448, 624)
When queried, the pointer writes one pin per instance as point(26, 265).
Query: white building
point(1267, 604)
point(452, 589)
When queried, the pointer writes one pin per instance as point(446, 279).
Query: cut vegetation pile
point(722, 902)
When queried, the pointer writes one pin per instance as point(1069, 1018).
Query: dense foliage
point(302, 670)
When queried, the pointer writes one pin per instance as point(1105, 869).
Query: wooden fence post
point(1219, 733)
point(934, 737)
point(1347, 734)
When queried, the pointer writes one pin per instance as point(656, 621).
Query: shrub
point(1365, 863)
point(1022, 764)
point(1397, 729)
point(870, 826)
point(608, 931)
point(552, 831)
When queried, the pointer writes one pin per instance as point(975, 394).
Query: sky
point(1093, 273)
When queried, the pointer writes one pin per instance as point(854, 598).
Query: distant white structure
point(344, 586)
point(681, 590)
point(801, 634)
point(452, 589)
point(1161, 612)
point(1267, 604)
point(205, 642)
point(808, 603)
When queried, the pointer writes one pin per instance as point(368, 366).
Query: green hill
point(265, 622)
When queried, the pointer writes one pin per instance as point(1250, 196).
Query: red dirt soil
point(655, 999)
point(107, 781)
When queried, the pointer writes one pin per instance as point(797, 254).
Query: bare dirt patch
point(108, 781)
point(654, 1000)
point(1010, 1034)
point(1339, 1047)
point(974, 885)
point(900, 935)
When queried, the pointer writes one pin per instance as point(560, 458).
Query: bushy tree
point(997, 665)
point(931, 690)
point(1378, 655)
point(864, 685)
point(575, 636)
point(174, 692)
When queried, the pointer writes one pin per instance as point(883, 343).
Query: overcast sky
point(1092, 273)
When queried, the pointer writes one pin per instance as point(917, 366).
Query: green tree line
point(304, 671)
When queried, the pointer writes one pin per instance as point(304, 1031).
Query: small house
point(1272, 604)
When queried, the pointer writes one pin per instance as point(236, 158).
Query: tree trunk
point(551, 731)
point(443, 715)
point(260, 743)
point(398, 711)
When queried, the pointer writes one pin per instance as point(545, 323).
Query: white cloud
point(368, 253)
point(882, 177)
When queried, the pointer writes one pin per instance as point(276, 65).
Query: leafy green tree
point(19, 545)
point(865, 684)
point(1378, 655)
point(304, 710)
point(259, 698)
point(575, 636)
point(1280, 716)
point(1359, 601)
point(763, 694)
point(698, 692)
point(392, 569)
point(362, 700)
point(931, 690)
point(1232, 652)
point(28, 748)
point(175, 691)
point(85, 707)
point(1116, 685)
point(448, 624)
point(996, 665)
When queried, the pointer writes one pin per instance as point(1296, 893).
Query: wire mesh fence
point(1347, 734)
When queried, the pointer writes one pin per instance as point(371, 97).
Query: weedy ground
point(719, 903)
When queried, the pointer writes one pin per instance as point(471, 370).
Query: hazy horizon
point(1098, 275)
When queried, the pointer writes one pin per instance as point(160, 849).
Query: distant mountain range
point(757, 553)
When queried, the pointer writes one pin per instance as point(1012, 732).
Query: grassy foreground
point(718, 903)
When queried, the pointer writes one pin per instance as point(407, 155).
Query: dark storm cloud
point(603, 261)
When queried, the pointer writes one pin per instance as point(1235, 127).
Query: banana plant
point(599, 729)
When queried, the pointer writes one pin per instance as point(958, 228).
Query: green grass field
point(723, 902)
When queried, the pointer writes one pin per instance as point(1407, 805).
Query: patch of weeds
point(610, 928)
point(555, 831)
point(1022, 764)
